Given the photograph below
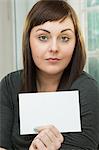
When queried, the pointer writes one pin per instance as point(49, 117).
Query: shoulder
point(13, 75)
point(88, 89)
point(11, 80)
point(9, 87)
point(85, 81)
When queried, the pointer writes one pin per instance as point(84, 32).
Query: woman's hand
point(48, 138)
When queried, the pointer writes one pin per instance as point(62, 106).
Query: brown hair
point(41, 12)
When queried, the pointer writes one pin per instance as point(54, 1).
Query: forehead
point(56, 25)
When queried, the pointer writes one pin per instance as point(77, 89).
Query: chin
point(53, 72)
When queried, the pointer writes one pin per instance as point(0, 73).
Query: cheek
point(71, 46)
point(69, 51)
point(35, 56)
point(35, 51)
point(36, 59)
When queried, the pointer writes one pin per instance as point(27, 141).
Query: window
point(90, 19)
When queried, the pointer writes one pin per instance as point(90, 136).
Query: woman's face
point(52, 45)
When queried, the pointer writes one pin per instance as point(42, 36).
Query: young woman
point(53, 60)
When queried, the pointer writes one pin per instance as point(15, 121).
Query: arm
point(2, 149)
point(6, 114)
point(89, 104)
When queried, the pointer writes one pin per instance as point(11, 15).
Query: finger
point(38, 144)
point(53, 129)
point(33, 147)
point(46, 137)
point(56, 132)
point(50, 134)
point(43, 136)
point(39, 129)
point(54, 140)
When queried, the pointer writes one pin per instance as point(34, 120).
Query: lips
point(53, 59)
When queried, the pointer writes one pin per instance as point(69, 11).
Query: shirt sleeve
point(88, 138)
point(6, 114)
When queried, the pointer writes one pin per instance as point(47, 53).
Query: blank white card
point(60, 109)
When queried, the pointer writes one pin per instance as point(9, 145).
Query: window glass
point(94, 67)
point(93, 30)
point(92, 2)
point(90, 17)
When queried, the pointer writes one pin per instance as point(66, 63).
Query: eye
point(43, 38)
point(65, 39)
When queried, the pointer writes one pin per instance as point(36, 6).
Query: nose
point(54, 46)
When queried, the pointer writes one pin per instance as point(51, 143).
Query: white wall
point(12, 15)
point(21, 9)
point(6, 36)
point(76, 4)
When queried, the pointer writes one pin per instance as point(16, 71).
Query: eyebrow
point(43, 30)
point(68, 29)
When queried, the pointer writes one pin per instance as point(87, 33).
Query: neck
point(46, 82)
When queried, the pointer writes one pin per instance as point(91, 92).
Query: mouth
point(53, 60)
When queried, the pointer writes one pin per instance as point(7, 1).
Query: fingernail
point(36, 130)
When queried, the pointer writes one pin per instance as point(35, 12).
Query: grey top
point(10, 137)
